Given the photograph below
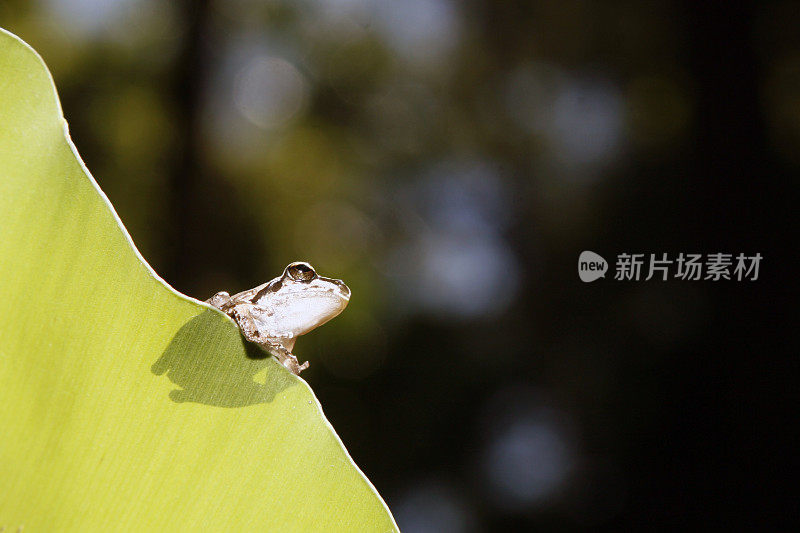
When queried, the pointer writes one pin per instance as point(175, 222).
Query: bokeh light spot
point(269, 92)
point(432, 506)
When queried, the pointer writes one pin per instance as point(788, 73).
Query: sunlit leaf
point(123, 404)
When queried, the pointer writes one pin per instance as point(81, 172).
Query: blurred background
point(450, 160)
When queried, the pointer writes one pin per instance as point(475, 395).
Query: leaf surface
point(125, 405)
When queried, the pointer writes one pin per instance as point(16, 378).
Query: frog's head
point(300, 299)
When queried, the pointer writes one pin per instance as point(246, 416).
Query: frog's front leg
point(242, 314)
point(286, 357)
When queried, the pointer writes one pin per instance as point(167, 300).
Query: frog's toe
point(219, 299)
point(293, 367)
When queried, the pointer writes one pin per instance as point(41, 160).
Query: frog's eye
point(301, 272)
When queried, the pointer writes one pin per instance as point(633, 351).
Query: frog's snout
point(344, 289)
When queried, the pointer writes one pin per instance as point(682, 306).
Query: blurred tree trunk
point(187, 217)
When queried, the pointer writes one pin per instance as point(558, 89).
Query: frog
point(275, 313)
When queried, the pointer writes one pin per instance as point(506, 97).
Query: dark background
point(450, 160)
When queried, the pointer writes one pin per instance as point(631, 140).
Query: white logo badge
point(591, 266)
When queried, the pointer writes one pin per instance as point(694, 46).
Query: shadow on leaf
point(210, 367)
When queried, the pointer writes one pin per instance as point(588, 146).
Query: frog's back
point(247, 296)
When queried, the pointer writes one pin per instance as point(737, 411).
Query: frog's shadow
point(210, 369)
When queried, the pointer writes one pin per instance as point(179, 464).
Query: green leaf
point(125, 405)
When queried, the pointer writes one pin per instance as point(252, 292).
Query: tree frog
point(274, 314)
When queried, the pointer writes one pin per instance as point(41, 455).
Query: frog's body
point(275, 313)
